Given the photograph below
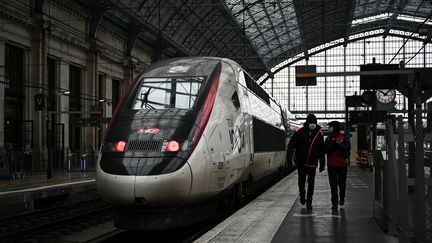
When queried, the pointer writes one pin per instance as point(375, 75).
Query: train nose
point(147, 190)
point(163, 190)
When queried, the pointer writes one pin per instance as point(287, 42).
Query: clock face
point(385, 96)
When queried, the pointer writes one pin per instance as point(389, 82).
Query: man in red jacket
point(337, 148)
point(308, 145)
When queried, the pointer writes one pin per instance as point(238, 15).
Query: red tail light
point(172, 146)
point(120, 146)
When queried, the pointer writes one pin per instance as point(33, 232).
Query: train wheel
point(239, 193)
point(231, 199)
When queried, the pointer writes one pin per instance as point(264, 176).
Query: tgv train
point(188, 134)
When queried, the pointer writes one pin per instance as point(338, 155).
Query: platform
point(277, 216)
point(35, 191)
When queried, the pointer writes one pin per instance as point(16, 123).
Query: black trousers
point(308, 172)
point(337, 178)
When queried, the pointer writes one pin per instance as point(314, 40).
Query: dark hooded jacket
point(307, 147)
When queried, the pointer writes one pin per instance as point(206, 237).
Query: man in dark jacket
point(338, 150)
point(307, 144)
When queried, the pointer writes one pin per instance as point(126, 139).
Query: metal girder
point(133, 35)
point(224, 35)
point(247, 6)
point(285, 18)
point(174, 16)
point(158, 50)
point(193, 30)
point(410, 37)
point(273, 28)
point(300, 26)
point(349, 17)
point(148, 27)
point(258, 27)
point(39, 6)
point(97, 12)
point(203, 22)
point(401, 5)
point(248, 41)
point(154, 9)
point(428, 38)
point(141, 5)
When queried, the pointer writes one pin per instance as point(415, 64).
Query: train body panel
point(189, 136)
point(121, 188)
point(176, 187)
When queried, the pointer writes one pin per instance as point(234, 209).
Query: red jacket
point(337, 149)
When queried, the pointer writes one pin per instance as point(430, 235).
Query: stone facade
point(59, 30)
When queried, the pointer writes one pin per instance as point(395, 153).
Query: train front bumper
point(149, 190)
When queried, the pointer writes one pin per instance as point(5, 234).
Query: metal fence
point(403, 204)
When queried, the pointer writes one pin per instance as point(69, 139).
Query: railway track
point(52, 224)
point(91, 221)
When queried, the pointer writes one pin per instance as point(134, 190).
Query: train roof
point(185, 66)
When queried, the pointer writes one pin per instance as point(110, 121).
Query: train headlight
point(120, 146)
point(172, 146)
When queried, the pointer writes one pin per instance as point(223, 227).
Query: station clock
point(385, 96)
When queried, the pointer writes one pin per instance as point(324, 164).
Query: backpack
point(346, 154)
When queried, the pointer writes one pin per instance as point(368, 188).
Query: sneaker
point(309, 206)
point(302, 200)
point(334, 207)
point(342, 202)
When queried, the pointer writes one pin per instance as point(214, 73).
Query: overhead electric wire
point(406, 40)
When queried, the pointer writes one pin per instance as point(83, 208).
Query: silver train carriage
point(188, 133)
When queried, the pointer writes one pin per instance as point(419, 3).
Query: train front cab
point(158, 125)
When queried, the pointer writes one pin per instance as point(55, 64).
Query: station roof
point(260, 34)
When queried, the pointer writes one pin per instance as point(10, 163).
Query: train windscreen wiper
point(144, 100)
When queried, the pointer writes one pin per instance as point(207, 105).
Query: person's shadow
point(307, 225)
point(339, 230)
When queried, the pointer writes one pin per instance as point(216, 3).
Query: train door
point(247, 120)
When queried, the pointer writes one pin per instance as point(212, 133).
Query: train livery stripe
point(206, 111)
point(116, 110)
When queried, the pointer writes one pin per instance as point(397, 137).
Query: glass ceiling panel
point(415, 9)
point(372, 7)
point(268, 24)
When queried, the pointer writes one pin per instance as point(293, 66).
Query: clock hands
point(383, 92)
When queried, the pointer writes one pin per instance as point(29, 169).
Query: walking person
point(307, 147)
point(337, 148)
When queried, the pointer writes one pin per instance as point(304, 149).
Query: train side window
point(235, 100)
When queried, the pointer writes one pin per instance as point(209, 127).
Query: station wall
point(58, 58)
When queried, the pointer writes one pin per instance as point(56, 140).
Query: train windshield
point(164, 93)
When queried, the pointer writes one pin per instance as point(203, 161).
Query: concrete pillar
point(2, 94)
point(108, 94)
point(38, 74)
point(90, 83)
point(128, 77)
point(64, 100)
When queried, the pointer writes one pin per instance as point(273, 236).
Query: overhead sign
point(305, 75)
point(384, 80)
point(366, 116)
point(39, 101)
point(89, 121)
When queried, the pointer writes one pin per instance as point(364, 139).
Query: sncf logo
point(148, 129)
